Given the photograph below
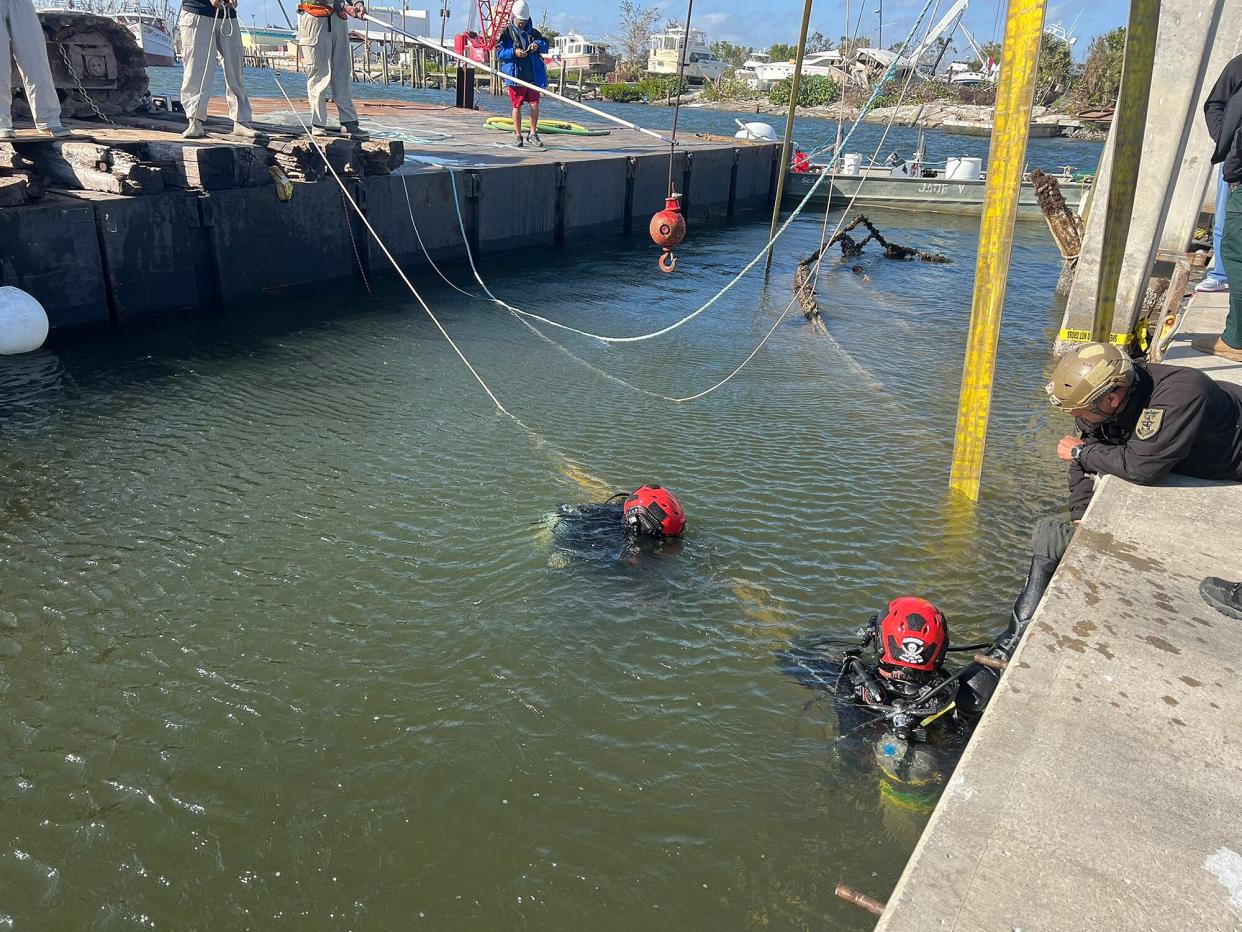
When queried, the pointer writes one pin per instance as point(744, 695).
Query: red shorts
point(517, 94)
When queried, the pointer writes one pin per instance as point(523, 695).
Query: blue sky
point(762, 22)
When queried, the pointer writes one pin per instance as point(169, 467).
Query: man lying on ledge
point(1141, 421)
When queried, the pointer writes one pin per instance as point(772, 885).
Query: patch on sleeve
point(1149, 423)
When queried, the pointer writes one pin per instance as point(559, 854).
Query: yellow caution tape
point(1138, 336)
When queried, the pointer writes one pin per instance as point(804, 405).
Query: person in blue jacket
point(521, 49)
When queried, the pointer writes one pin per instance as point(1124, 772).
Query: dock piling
point(1024, 24)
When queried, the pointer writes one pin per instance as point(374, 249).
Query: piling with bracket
point(789, 122)
point(1024, 25)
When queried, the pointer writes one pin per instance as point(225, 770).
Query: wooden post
point(579, 84)
point(1024, 24)
point(561, 87)
point(1131, 118)
point(789, 122)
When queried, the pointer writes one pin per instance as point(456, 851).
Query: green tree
point(815, 90)
point(782, 51)
point(990, 49)
point(1100, 80)
point(847, 46)
point(1056, 69)
point(636, 23)
point(735, 55)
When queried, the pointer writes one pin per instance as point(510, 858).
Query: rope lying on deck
point(804, 274)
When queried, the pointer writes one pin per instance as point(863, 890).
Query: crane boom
point(955, 11)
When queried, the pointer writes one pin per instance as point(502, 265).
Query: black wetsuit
point(1174, 419)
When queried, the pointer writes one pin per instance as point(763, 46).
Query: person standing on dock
point(1223, 112)
point(1142, 421)
point(521, 50)
point(209, 28)
point(22, 38)
point(323, 30)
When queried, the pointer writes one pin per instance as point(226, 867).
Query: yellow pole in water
point(1131, 121)
point(1024, 24)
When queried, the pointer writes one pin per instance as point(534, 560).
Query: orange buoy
point(668, 229)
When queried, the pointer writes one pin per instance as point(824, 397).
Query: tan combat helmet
point(1086, 374)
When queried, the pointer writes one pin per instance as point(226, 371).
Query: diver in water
point(905, 682)
point(621, 525)
point(898, 709)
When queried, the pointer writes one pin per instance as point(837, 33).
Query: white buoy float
point(23, 322)
point(755, 131)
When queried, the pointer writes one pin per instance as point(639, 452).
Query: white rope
point(888, 73)
point(367, 223)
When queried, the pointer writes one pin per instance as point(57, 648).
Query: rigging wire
point(681, 70)
point(794, 214)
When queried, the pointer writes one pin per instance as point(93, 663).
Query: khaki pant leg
point(315, 41)
point(198, 54)
point(342, 72)
point(30, 51)
point(230, 45)
point(6, 75)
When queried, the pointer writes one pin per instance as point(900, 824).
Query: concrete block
point(711, 171)
point(430, 197)
point(263, 245)
point(594, 196)
point(516, 206)
point(52, 251)
point(753, 190)
point(156, 254)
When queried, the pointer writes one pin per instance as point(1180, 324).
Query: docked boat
point(982, 128)
point(151, 30)
point(956, 188)
point(577, 53)
point(667, 51)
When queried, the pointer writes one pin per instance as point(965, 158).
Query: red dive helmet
point(654, 510)
point(913, 634)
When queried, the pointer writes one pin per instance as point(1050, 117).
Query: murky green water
point(284, 642)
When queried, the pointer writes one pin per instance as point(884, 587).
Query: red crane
point(493, 19)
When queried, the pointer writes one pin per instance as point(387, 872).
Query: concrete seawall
point(97, 259)
point(1103, 786)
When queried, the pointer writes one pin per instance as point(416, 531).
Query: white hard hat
point(520, 12)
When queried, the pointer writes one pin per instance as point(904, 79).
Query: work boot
point(8, 132)
point(56, 130)
point(1222, 595)
point(535, 140)
point(244, 131)
point(354, 131)
point(194, 130)
point(1215, 346)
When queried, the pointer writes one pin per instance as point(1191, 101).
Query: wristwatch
point(1077, 452)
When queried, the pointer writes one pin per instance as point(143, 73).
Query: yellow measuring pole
point(1130, 124)
point(1024, 24)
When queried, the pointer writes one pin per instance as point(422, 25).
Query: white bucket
point(851, 163)
point(963, 169)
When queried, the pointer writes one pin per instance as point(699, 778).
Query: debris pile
point(804, 274)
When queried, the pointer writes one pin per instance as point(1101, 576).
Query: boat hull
point(935, 195)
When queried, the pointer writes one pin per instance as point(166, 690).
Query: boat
point(666, 54)
point(146, 22)
point(578, 53)
point(151, 30)
point(956, 188)
point(984, 128)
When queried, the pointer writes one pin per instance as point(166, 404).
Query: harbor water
point(286, 641)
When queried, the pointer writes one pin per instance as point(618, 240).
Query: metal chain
point(64, 53)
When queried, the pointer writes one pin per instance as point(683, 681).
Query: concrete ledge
point(1103, 786)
